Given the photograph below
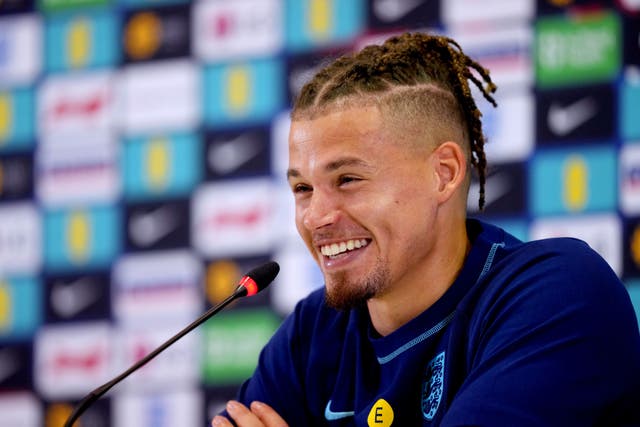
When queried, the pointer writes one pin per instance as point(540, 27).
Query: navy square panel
point(78, 297)
point(16, 6)
point(157, 33)
point(16, 176)
point(238, 153)
point(398, 14)
point(581, 114)
point(302, 67)
point(631, 40)
point(16, 372)
point(505, 191)
point(97, 415)
point(157, 225)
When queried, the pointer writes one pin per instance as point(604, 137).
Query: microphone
point(250, 284)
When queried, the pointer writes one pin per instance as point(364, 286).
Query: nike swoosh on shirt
point(393, 10)
point(229, 156)
point(563, 120)
point(331, 416)
point(69, 299)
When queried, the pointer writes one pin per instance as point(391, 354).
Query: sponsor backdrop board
point(142, 160)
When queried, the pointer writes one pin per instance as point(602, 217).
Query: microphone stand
point(90, 398)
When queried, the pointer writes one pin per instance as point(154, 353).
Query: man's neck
point(392, 310)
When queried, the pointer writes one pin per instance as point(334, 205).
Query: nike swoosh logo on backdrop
point(9, 365)
point(496, 187)
point(332, 416)
point(394, 10)
point(562, 120)
point(69, 299)
point(146, 229)
point(228, 156)
point(299, 77)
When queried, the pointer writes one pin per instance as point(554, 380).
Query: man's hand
point(260, 415)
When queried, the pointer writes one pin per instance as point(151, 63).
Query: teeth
point(338, 248)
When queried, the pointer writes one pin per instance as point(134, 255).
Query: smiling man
point(427, 317)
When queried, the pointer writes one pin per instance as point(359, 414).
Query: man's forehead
point(350, 120)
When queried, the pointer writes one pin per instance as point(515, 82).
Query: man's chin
point(344, 301)
point(343, 293)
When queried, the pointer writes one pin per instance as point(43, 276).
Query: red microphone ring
point(250, 285)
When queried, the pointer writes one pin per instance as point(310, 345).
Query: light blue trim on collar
point(417, 340)
point(444, 322)
point(489, 261)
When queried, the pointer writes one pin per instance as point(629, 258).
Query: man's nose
point(321, 211)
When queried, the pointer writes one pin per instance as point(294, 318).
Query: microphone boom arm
point(90, 398)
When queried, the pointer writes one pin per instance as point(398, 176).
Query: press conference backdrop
point(142, 159)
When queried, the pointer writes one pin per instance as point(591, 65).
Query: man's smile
point(334, 249)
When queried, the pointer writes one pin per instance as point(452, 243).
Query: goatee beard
point(346, 295)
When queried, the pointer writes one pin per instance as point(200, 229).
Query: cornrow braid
point(408, 60)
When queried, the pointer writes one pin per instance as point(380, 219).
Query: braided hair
point(427, 70)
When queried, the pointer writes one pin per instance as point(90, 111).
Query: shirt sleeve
point(556, 344)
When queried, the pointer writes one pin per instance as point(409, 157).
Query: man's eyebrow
point(334, 165)
point(293, 173)
point(346, 161)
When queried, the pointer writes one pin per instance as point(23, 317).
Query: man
point(427, 317)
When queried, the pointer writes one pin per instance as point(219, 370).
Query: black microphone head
point(259, 278)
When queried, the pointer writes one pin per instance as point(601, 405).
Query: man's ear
point(450, 167)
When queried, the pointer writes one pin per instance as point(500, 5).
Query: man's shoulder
point(564, 255)
point(544, 277)
point(550, 271)
point(559, 257)
point(559, 245)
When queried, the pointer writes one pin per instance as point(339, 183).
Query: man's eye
point(301, 188)
point(347, 179)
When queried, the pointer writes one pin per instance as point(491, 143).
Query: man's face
point(365, 203)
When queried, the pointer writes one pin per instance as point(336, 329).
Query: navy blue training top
point(530, 334)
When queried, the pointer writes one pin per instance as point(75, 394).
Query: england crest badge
point(433, 386)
